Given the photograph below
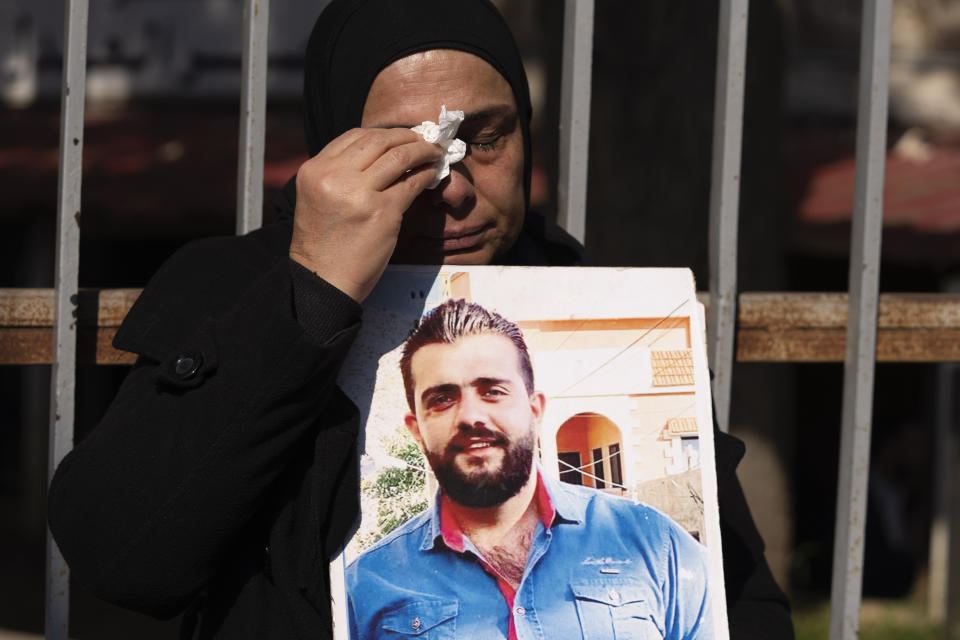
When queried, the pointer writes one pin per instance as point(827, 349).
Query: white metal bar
point(861, 321)
point(575, 116)
point(944, 456)
point(253, 112)
point(63, 371)
point(725, 198)
point(943, 488)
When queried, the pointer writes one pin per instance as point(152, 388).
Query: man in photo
point(506, 551)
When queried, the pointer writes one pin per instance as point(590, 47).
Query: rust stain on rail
point(34, 345)
point(37, 307)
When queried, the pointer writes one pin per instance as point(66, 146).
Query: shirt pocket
point(615, 610)
point(424, 620)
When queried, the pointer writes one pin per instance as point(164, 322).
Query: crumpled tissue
point(443, 132)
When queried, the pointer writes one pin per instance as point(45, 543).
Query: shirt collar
point(569, 507)
point(555, 505)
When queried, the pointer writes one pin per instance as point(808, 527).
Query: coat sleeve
point(756, 606)
point(227, 388)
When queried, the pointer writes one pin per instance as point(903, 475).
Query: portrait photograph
point(537, 450)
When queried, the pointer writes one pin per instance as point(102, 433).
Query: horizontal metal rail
point(771, 327)
point(26, 323)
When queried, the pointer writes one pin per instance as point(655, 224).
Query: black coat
point(224, 476)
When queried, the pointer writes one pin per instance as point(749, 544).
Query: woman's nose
point(455, 189)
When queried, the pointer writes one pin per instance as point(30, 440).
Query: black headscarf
point(354, 39)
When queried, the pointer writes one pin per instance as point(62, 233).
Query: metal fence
point(770, 327)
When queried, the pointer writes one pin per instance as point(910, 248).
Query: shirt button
point(187, 365)
point(614, 595)
point(520, 611)
point(415, 624)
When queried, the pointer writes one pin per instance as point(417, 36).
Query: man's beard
point(482, 488)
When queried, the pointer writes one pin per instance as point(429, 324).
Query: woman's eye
point(486, 146)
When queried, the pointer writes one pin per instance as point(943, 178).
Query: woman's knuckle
point(400, 156)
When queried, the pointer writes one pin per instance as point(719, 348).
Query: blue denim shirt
point(607, 568)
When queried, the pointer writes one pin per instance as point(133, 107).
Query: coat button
point(614, 596)
point(415, 624)
point(520, 611)
point(187, 365)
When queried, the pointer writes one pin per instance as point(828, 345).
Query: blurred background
point(160, 158)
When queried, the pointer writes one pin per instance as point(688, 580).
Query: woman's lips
point(461, 239)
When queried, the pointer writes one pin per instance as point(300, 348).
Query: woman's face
point(476, 213)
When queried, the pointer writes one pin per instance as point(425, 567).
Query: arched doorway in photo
point(588, 452)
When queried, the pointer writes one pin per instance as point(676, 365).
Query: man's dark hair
point(455, 319)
